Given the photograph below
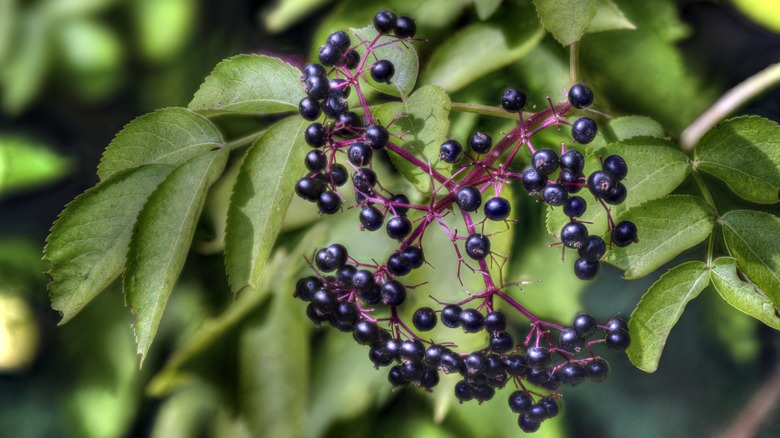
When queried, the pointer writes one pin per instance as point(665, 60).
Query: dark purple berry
point(516, 365)
point(362, 280)
point(475, 363)
point(338, 174)
point(382, 71)
point(429, 378)
point(331, 258)
point(551, 405)
point(305, 288)
point(538, 358)
point(615, 165)
point(571, 341)
point(330, 55)
point(469, 198)
point(344, 276)
point(584, 325)
point(463, 391)
point(433, 355)
point(339, 39)
point(533, 181)
point(309, 108)
point(396, 266)
point(376, 136)
point(584, 130)
point(393, 293)
point(480, 143)
point(398, 227)
point(477, 246)
point(615, 324)
point(400, 199)
point(555, 194)
point(413, 256)
point(471, 320)
point(450, 151)
point(601, 184)
point(617, 196)
point(580, 96)
point(329, 202)
point(424, 319)
point(502, 342)
point(395, 377)
point(314, 69)
point(364, 180)
point(574, 234)
point(495, 322)
point(586, 269)
point(412, 350)
point(309, 189)
point(527, 425)
point(571, 180)
point(624, 234)
point(315, 135)
point(618, 340)
point(360, 154)
point(513, 101)
point(593, 248)
point(572, 374)
point(597, 370)
point(333, 106)
point(497, 209)
point(537, 412)
point(405, 27)
point(316, 87)
point(346, 313)
point(324, 301)
point(351, 59)
point(315, 161)
point(572, 160)
point(384, 21)
point(545, 161)
point(371, 218)
point(574, 206)
point(520, 401)
point(450, 315)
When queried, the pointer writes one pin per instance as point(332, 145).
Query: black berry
point(405, 27)
point(480, 143)
point(384, 21)
point(471, 320)
point(469, 198)
point(574, 206)
point(497, 209)
point(360, 154)
point(584, 130)
point(555, 194)
point(376, 136)
point(329, 202)
point(393, 293)
point(315, 135)
point(450, 315)
point(398, 227)
point(451, 151)
point(339, 39)
point(513, 100)
point(545, 161)
point(615, 165)
point(624, 234)
point(424, 319)
point(383, 71)
point(371, 218)
point(309, 108)
point(580, 96)
point(330, 55)
point(574, 234)
point(586, 269)
point(477, 246)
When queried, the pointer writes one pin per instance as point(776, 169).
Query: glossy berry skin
point(351, 59)
point(433, 355)
point(516, 365)
point(574, 234)
point(372, 296)
point(366, 332)
point(571, 180)
point(384, 21)
point(584, 130)
point(624, 234)
point(393, 293)
point(502, 342)
point(315, 161)
point(338, 174)
point(497, 209)
point(572, 160)
point(309, 189)
point(363, 280)
point(480, 143)
point(309, 108)
point(615, 165)
point(615, 324)
point(429, 379)
point(538, 358)
point(601, 184)
point(527, 425)
point(348, 123)
point(315, 135)
point(451, 151)
point(450, 315)
point(316, 87)
point(398, 227)
point(471, 320)
point(412, 350)
point(477, 246)
point(584, 325)
point(305, 288)
point(424, 319)
point(360, 154)
point(495, 322)
point(513, 101)
point(329, 203)
point(617, 196)
point(475, 363)
point(364, 180)
point(331, 258)
point(346, 313)
point(405, 27)
point(586, 269)
point(617, 340)
point(555, 194)
point(339, 39)
point(463, 391)
point(469, 198)
point(371, 218)
point(533, 181)
point(338, 87)
point(570, 340)
point(400, 199)
point(396, 265)
point(383, 71)
point(520, 401)
point(597, 370)
point(330, 55)
point(396, 378)
point(580, 96)
point(575, 206)
point(324, 301)
point(334, 105)
point(413, 256)
point(314, 69)
point(376, 136)
point(545, 161)
point(572, 374)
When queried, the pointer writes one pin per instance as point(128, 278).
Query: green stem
point(728, 103)
point(244, 141)
point(574, 63)
point(707, 198)
point(486, 110)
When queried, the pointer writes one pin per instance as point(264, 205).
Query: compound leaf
point(260, 197)
point(249, 84)
point(623, 128)
point(745, 153)
point(424, 120)
point(743, 296)
point(402, 55)
point(660, 309)
point(609, 17)
point(751, 237)
point(88, 243)
point(566, 19)
point(666, 227)
point(162, 238)
point(166, 136)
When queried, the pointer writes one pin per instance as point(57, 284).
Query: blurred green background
point(73, 72)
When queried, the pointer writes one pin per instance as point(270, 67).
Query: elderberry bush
point(366, 297)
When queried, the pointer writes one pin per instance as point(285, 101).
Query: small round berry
point(393, 293)
point(316, 87)
point(463, 391)
point(346, 313)
point(471, 320)
point(537, 412)
point(405, 27)
point(571, 180)
point(305, 288)
point(502, 342)
point(314, 69)
point(338, 173)
point(330, 55)
point(315, 135)
point(372, 296)
point(351, 59)
point(309, 189)
point(333, 106)
point(516, 365)
point(533, 181)
point(396, 377)
point(618, 195)
point(545, 161)
point(538, 358)
point(601, 184)
point(572, 160)
point(433, 355)
point(497, 209)
point(618, 340)
point(615, 165)
point(574, 234)
point(429, 378)
point(539, 376)
point(520, 401)
point(615, 324)
point(329, 202)
point(574, 206)
point(553, 383)
point(580, 96)
point(371, 218)
point(513, 101)
point(384, 21)
point(379, 356)
point(571, 341)
point(396, 266)
point(331, 258)
point(480, 143)
point(483, 393)
point(477, 246)
point(527, 425)
point(450, 315)
point(451, 151)
point(376, 136)
point(344, 276)
point(360, 154)
point(475, 363)
point(412, 350)
point(469, 198)
point(586, 269)
point(309, 108)
point(364, 180)
point(551, 405)
point(315, 161)
point(584, 325)
point(597, 370)
point(555, 194)
point(398, 227)
point(584, 130)
point(624, 234)
point(349, 122)
point(413, 256)
point(495, 321)
point(382, 71)
point(339, 39)
point(399, 199)
point(451, 363)
point(424, 319)
point(593, 248)
point(572, 374)
point(363, 280)
point(339, 87)
point(324, 302)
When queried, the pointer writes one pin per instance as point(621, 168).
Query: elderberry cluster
point(364, 298)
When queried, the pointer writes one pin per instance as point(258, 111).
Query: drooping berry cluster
point(364, 298)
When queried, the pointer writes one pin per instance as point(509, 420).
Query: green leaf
point(486, 8)
point(162, 238)
point(89, 241)
point(260, 198)
point(609, 17)
point(25, 164)
point(566, 19)
point(763, 12)
point(481, 48)
point(655, 168)
point(23, 72)
point(426, 121)
point(745, 153)
point(166, 136)
point(743, 296)
point(751, 237)
point(249, 84)
point(164, 27)
point(660, 309)
point(286, 13)
point(401, 54)
point(623, 128)
point(666, 227)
